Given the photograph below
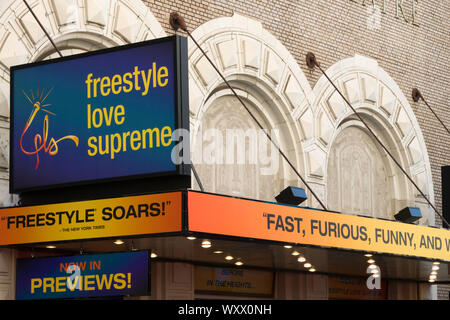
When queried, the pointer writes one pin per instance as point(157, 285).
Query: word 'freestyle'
point(139, 80)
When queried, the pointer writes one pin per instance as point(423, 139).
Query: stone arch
point(265, 75)
point(75, 26)
point(380, 101)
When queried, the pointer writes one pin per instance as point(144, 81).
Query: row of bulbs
point(206, 244)
point(374, 269)
point(301, 259)
point(434, 270)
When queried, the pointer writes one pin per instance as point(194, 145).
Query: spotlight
point(191, 238)
point(408, 215)
point(239, 263)
point(288, 246)
point(50, 247)
point(218, 252)
point(295, 253)
point(307, 265)
point(153, 255)
point(368, 255)
point(229, 258)
point(292, 195)
point(312, 270)
point(435, 268)
point(301, 259)
point(118, 242)
point(371, 261)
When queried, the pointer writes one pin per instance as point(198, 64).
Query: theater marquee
point(190, 212)
point(116, 217)
point(236, 217)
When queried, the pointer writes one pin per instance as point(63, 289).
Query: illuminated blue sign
point(103, 115)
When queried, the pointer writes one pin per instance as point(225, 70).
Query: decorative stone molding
point(269, 78)
point(380, 101)
point(265, 74)
point(239, 45)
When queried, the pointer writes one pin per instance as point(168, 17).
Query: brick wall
point(414, 56)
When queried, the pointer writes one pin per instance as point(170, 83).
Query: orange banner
point(269, 221)
point(127, 216)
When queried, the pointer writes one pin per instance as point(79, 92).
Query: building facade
point(375, 51)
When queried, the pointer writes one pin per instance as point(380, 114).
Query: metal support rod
point(312, 62)
point(176, 21)
point(42, 27)
point(197, 178)
point(416, 95)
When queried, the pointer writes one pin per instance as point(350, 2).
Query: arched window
point(272, 85)
point(359, 175)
